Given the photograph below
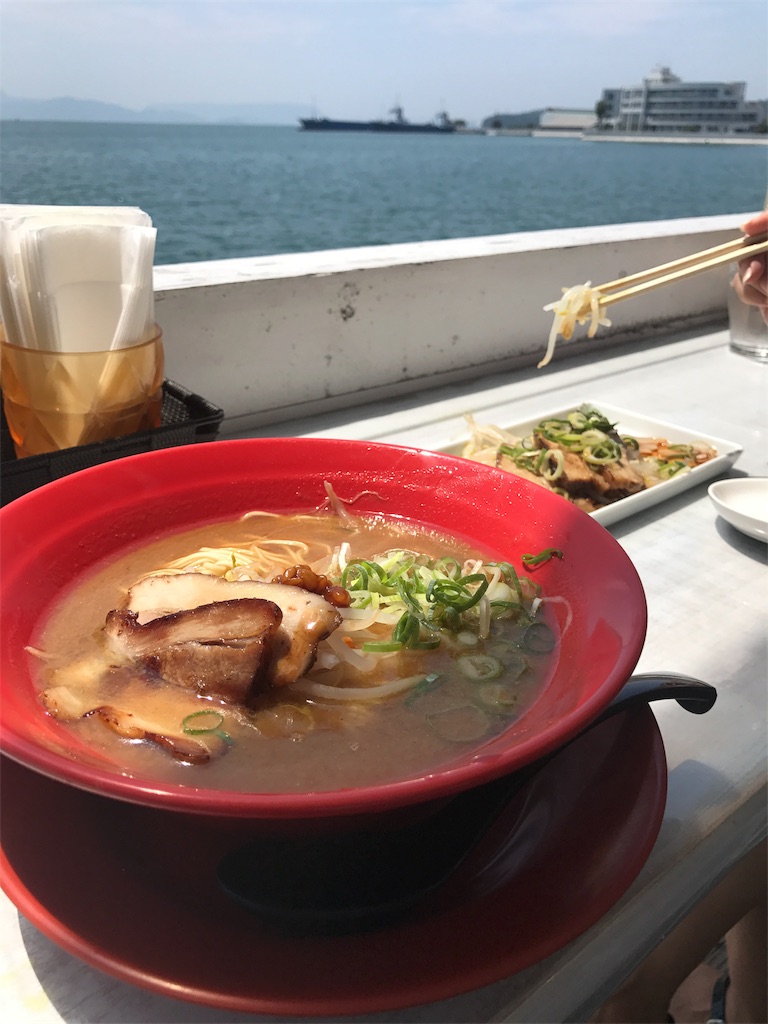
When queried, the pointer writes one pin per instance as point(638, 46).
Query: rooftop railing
point(270, 338)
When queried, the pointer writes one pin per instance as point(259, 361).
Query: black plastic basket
point(186, 418)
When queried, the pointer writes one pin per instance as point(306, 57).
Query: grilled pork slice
point(220, 644)
point(510, 466)
point(600, 484)
point(135, 704)
point(219, 650)
point(621, 479)
point(307, 618)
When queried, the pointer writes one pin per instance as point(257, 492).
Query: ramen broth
point(288, 742)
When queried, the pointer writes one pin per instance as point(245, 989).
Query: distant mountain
point(62, 109)
point(232, 113)
point(66, 108)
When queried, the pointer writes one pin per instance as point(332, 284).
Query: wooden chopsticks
point(734, 251)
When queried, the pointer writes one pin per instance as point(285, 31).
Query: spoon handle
point(691, 694)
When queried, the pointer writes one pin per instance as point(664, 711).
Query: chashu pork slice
point(307, 618)
point(220, 650)
point(599, 484)
point(136, 705)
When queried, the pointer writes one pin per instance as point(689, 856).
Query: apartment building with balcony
point(664, 103)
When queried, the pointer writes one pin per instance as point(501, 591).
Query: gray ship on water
point(442, 125)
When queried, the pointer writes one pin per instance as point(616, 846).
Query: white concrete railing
point(270, 338)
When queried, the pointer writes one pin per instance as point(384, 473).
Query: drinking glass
point(748, 330)
point(57, 400)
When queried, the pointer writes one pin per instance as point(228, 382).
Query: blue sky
point(355, 58)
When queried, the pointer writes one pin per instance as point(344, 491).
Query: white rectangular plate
point(641, 426)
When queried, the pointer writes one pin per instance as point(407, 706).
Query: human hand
point(751, 282)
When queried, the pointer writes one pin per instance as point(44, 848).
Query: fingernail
point(749, 275)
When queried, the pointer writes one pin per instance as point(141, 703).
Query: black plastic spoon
point(363, 879)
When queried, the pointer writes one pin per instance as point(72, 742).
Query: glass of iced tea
point(56, 400)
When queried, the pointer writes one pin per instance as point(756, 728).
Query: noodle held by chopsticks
point(584, 303)
point(578, 304)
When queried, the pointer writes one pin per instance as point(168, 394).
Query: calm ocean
point(221, 191)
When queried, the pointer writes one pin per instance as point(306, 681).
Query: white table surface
point(701, 577)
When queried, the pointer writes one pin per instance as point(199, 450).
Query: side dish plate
point(636, 424)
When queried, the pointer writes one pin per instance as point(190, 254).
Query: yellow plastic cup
point(57, 400)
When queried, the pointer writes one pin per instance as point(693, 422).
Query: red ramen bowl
point(61, 532)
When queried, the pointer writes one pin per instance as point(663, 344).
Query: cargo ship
point(442, 125)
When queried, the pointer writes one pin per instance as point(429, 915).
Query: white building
point(566, 119)
point(664, 103)
point(560, 119)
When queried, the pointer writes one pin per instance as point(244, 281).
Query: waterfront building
point(664, 103)
point(560, 119)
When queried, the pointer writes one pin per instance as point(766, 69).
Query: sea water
point(222, 191)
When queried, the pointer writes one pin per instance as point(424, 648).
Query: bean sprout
point(578, 305)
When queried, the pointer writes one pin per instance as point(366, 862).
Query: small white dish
point(743, 502)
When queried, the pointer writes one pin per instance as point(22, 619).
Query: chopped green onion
point(479, 666)
point(199, 730)
point(355, 577)
point(425, 645)
point(455, 593)
point(508, 450)
point(214, 729)
point(582, 429)
point(552, 472)
point(381, 646)
point(449, 566)
point(670, 469)
point(498, 695)
point(539, 638)
point(401, 570)
point(406, 592)
point(426, 598)
point(427, 684)
point(507, 609)
point(514, 662)
point(543, 556)
point(406, 629)
point(513, 580)
point(554, 424)
point(601, 453)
